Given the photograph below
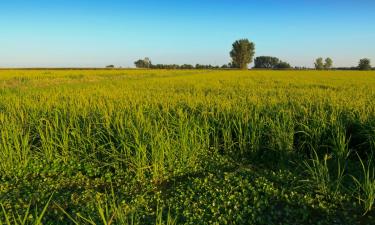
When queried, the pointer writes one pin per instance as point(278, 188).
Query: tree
point(187, 66)
point(147, 62)
point(110, 66)
point(225, 66)
point(319, 65)
point(328, 63)
point(242, 53)
point(139, 63)
point(231, 65)
point(364, 64)
point(283, 65)
point(143, 63)
point(266, 62)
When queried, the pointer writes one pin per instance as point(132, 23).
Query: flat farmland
point(187, 147)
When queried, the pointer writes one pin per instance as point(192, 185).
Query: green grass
point(186, 147)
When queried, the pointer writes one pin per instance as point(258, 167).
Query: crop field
point(187, 147)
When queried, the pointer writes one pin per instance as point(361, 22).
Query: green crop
point(186, 147)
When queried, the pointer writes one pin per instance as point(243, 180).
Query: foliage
point(242, 53)
point(283, 65)
point(366, 186)
point(364, 64)
point(328, 63)
point(266, 62)
point(143, 63)
point(319, 65)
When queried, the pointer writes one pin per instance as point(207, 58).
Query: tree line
point(364, 64)
point(147, 64)
point(242, 54)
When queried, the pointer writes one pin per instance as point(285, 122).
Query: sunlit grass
point(156, 125)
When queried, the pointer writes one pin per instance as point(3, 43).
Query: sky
point(93, 33)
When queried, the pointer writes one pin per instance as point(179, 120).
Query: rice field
point(187, 147)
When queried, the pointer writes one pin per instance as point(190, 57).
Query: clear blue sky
point(83, 33)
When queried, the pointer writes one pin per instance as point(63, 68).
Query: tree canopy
point(328, 63)
point(270, 62)
point(283, 65)
point(266, 62)
point(364, 64)
point(323, 65)
point(242, 53)
point(319, 65)
point(143, 63)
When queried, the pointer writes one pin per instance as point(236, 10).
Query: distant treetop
point(320, 65)
point(269, 62)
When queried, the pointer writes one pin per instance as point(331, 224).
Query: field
point(187, 147)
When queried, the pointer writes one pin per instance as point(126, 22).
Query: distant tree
point(364, 64)
point(300, 68)
point(266, 62)
point(157, 66)
point(319, 65)
point(283, 65)
point(139, 63)
point(147, 62)
point(231, 65)
point(200, 67)
point(242, 53)
point(187, 66)
point(143, 63)
point(110, 66)
point(328, 63)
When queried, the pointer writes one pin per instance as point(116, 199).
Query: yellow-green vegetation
point(186, 147)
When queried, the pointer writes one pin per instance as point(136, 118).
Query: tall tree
point(328, 63)
point(242, 53)
point(364, 64)
point(319, 65)
point(266, 62)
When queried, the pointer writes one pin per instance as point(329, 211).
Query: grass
point(26, 218)
point(366, 186)
point(186, 147)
